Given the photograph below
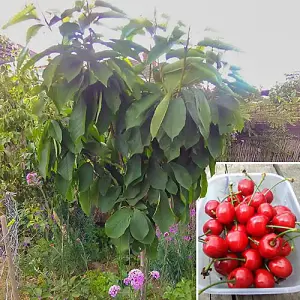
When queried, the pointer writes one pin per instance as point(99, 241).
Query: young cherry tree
point(134, 146)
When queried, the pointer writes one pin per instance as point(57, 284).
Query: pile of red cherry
point(248, 238)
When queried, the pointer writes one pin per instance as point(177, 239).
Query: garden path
point(286, 170)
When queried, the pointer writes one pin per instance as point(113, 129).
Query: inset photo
point(248, 232)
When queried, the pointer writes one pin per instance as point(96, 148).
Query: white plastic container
point(283, 195)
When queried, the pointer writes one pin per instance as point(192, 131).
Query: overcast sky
point(268, 30)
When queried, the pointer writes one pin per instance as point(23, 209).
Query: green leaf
point(171, 187)
point(69, 67)
point(159, 115)
point(21, 57)
point(104, 184)
point(138, 225)
point(136, 114)
point(108, 5)
point(62, 185)
point(180, 53)
point(55, 131)
point(77, 120)
point(182, 175)
point(134, 170)
point(112, 99)
point(107, 202)
point(135, 143)
point(44, 157)
point(175, 117)
point(159, 49)
point(215, 143)
point(106, 54)
point(32, 31)
point(122, 243)
point(144, 188)
point(214, 43)
point(135, 26)
point(66, 165)
point(101, 71)
point(69, 29)
point(149, 238)
point(49, 71)
point(153, 196)
point(85, 202)
point(212, 166)
point(163, 215)
point(28, 13)
point(157, 177)
point(117, 224)
point(85, 176)
point(203, 184)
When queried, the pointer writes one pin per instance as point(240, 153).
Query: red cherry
point(263, 279)
point(225, 213)
point(210, 208)
point(235, 198)
point(224, 267)
point(280, 267)
point(215, 247)
point(253, 259)
point(268, 195)
point(256, 225)
point(280, 209)
point(243, 278)
point(244, 212)
point(257, 199)
point(246, 187)
point(254, 243)
point(285, 247)
point(286, 219)
point(238, 227)
point(269, 246)
point(237, 241)
point(266, 209)
point(212, 227)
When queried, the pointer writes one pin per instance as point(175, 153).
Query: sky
point(267, 31)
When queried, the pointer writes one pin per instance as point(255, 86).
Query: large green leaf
point(49, 71)
point(135, 26)
point(55, 131)
point(32, 31)
point(182, 175)
point(138, 225)
point(159, 115)
point(85, 176)
point(107, 202)
point(77, 120)
point(112, 99)
point(134, 170)
point(117, 224)
point(175, 118)
point(69, 67)
point(28, 13)
point(101, 71)
point(44, 157)
point(172, 187)
point(136, 113)
point(181, 53)
point(149, 238)
point(69, 29)
point(66, 165)
point(62, 185)
point(163, 215)
point(108, 5)
point(214, 43)
point(215, 142)
point(85, 202)
point(203, 184)
point(122, 243)
point(157, 177)
point(159, 49)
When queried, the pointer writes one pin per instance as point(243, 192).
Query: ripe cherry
point(253, 259)
point(280, 209)
point(246, 187)
point(236, 199)
point(212, 227)
point(224, 267)
point(257, 199)
point(238, 227)
point(286, 219)
point(244, 212)
point(263, 279)
point(269, 246)
point(256, 226)
point(210, 208)
point(237, 241)
point(243, 278)
point(285, 247)
point(281, 267)
point(225, 213)
point(266, 209)
point(268, 195)
point(215, 247)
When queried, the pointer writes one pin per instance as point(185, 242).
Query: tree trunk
point(143, 265)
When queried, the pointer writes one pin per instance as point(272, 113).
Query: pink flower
point(136, 278)
point(114, 290)
point(126, 281)
point(192, 212)
point(155, 274)
point(166, 234)
point(187, 238)
point(32, 178)
point(169, 239)
point(158, 232)
point(173, 228)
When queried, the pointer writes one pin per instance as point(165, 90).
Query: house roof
point(9, 50)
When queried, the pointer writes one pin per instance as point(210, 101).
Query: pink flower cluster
point(136, 279)
point(155, 274)
point(114, 290)
point(32, 178)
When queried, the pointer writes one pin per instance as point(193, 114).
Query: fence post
point(11, 268)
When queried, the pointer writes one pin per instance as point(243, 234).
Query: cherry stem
point(263, 176)
point(266, 266)
point(216, 283)
point(283, 227)
point(247, 175)
point(229, 195)
point(281, 234)
point(253, 241)
point(292, 238)
point(230, 258)
point(201, 241)
point(283, 180)
point(204, 234)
